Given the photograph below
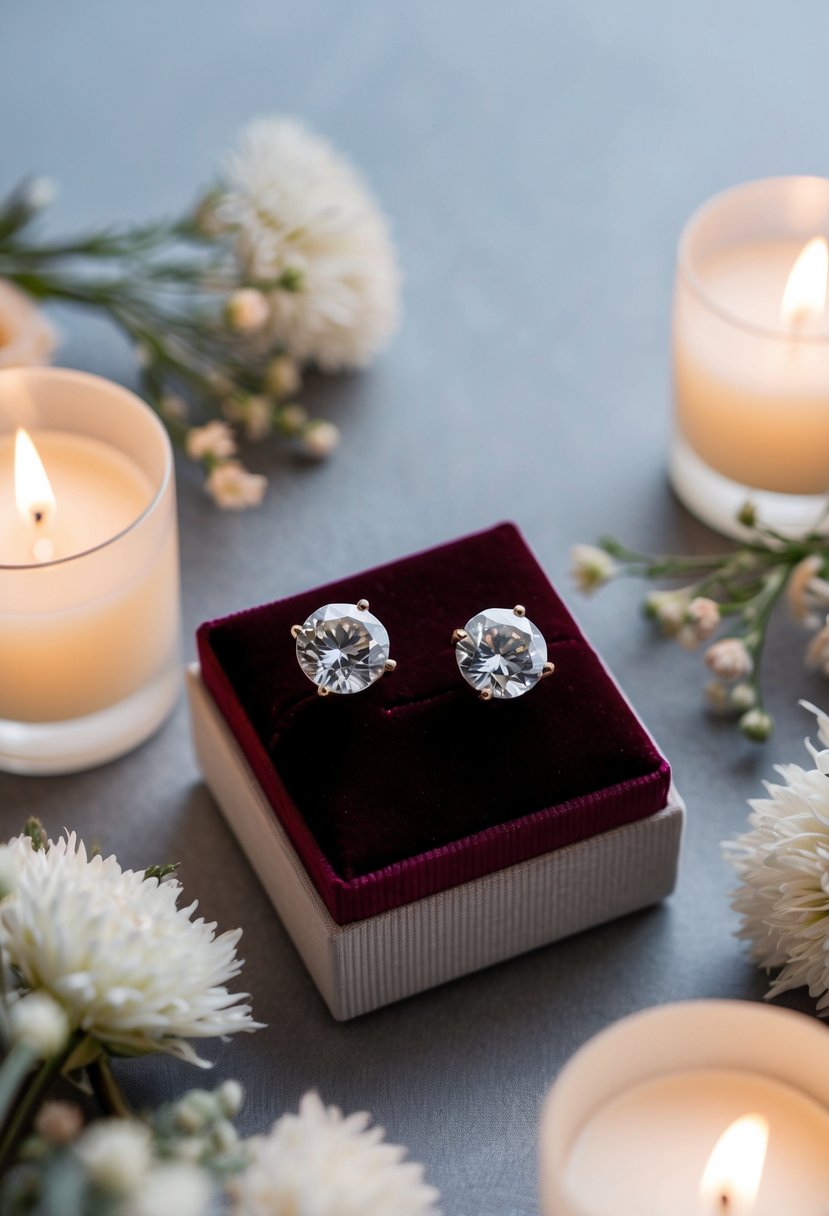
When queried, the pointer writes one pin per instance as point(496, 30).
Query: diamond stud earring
point(342, 648)
point(501, 653)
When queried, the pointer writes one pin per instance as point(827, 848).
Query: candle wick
point(725, 1203)
point(39, 516)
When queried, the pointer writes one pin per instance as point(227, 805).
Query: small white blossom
point(591, 567)
point(304, 218)
point(743, 697)
point(38, 1022)
point(116, 1154)
point(26, 337)
point(668, 608)
point(699, 621)
point(319, 439)
point(729, 659)
point(233, 488)
point(247, 309)
point(283, 377)
point(253, 413)
point(146, 979)
point(172, 1188)
point(322, 1163)
point(214, 439)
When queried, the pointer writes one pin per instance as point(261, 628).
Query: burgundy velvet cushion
point(416, 785)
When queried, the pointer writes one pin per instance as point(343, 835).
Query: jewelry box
point(412, 833)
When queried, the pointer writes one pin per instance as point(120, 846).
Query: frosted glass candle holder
point(751, 379)
point(89, 587)
point(631, 1123)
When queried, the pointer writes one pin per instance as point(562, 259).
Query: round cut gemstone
point(342, 648)
point(502, 655)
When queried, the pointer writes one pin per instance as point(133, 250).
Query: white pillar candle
point(88, 571)
point(636, 1123)
point(751, 366)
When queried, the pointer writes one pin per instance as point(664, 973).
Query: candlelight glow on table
point(88, 571)
point(711, 1108)
point(751, 355)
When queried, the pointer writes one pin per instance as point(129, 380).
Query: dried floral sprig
point(285, 261)
point(735, 593)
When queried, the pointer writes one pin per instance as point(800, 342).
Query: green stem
point(13, 1070)
point(763, 607)
point(18, 1123)
point(107, 1090)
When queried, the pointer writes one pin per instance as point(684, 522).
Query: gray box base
point(370, 963)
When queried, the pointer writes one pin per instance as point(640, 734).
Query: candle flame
point(732, 1176)
point(32, 491)
point(804, 298)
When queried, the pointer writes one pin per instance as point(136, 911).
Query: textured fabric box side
point(370, 963)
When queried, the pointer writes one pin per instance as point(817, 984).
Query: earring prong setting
point(501, 653)
point(343, 648)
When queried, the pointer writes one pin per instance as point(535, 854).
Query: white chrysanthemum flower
point(26, 337)
point(783, 866)
point(128, 966)
point(306, 223)
point(233, 488)
point(591, 567)
point(214, 439)
point(322, 1163)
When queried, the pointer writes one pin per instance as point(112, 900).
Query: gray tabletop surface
point(537, 161)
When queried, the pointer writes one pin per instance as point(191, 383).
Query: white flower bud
point(591, 567)
point(756, 725)
point(742, 697)
point(247, 309)
point(729, 659)
point(174, 406)
point(258, 420)
point(39, 1023)
point(283, 377)
point(293, 418)
point(59, 1123)
point(116, 1154)
point(230, 1096)
point(319, 439)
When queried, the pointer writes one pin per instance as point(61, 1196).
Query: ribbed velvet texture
point(415, 785)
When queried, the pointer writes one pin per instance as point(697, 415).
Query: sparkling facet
point(502, 654)
point(342, 648)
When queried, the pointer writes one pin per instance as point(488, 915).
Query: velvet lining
point(415, 785)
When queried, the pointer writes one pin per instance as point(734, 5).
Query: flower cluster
point(187, 1159)
point(733, 594)
point(782, 863)
point(285, 262)
point(102, 961)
